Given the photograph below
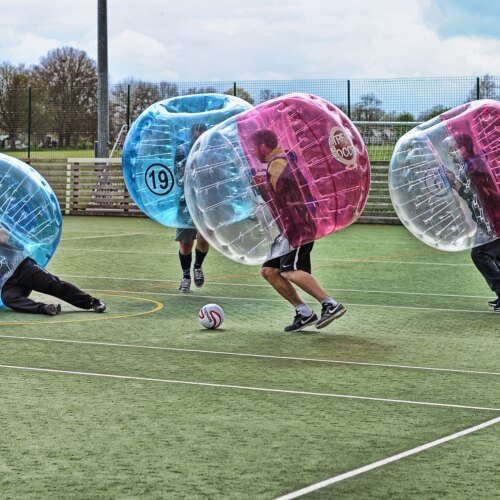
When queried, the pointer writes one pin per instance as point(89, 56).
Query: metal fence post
point(478, 88)
point(29, 122)
point(128, 107)
point(349, 98)
point(234, 88)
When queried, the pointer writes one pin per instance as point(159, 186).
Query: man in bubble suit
point(21, 275)
point(186, 237)
point(293, 268)
point(486, 257)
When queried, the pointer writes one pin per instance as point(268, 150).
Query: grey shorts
point(185, 235)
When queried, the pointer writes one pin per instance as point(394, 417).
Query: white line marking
point(102, 236)
point(249, 388)
point(257, 285)
point(385, 461)
point(347, 261)
point(254, 299)
point(250, 355)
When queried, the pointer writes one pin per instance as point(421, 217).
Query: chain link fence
point(45, 129)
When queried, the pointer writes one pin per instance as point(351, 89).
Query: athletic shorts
point(185, 235)
point(296, 260)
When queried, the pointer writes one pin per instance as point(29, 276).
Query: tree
point(368, 109)
point(200, 90)
point(70, 78)
point(405, 117)
point(241, 93)
point(487, 89)
point(142, 95)
point(14, 82)
point(266, 95)
point(431, 113)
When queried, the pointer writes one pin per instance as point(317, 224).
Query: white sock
point(329, 300)
point(304, 310)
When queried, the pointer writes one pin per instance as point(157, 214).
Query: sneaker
point(497, 307)
point(98, 306)
point(494, 302)
point(51, 309)
point(199, 277)
point(185, 285)
point(329, 312)
point(300, 322)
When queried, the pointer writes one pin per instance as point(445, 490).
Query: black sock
point(200, 257)
point(186, 264)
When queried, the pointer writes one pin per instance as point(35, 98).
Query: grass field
point(140, 402)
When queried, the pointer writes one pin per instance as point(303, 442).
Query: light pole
point(102, 81)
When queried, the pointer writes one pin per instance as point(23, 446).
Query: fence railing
point(95, 186)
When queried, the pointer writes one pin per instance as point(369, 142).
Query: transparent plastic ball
point(30, 217)
point(444, 177)
point(157, 146)
point(278, 176)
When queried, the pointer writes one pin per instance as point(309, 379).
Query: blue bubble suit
point(157, 147)
point(444, 177)
point(30, 217)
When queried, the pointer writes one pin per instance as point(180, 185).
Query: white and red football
point(211, 316)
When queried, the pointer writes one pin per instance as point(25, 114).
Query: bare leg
point(201, 243)
point(307, 282)
point(281, 285)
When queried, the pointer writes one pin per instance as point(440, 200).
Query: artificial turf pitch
point(141, 402)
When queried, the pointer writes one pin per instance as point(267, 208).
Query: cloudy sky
point(202, 40)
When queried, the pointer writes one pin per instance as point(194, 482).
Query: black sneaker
point(51, 309)
point(185, 285)
point(329, 312)
point(494, 302)
point(199, 277)
point(98, 306)
point(300, 322)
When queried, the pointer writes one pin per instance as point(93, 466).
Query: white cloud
point(196, 40)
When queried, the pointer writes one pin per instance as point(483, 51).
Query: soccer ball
point(211, 316)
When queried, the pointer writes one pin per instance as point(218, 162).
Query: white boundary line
point(325, 259)
point(249, 388)
point(254, 299)
point(388, 460)
point(258, 285)
point(101, 236)
point(250, 355)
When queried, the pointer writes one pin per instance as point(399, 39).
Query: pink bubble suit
point(444, 177)
point(275, 177)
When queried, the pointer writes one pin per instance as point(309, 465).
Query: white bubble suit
point(444, 177)
point(250, 211)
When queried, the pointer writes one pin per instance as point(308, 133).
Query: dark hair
point(465, 141)
point(199, 127)
point(267, 137)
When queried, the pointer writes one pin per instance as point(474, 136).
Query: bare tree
point(368, 109)
point(14, 82)
point(487, 89)
point(70, 77)
point(266, 95)
point(241, 93)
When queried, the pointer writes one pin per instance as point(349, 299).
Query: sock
point(200, 257)
point(329, 300)
point(186, 264)
point(304, 310)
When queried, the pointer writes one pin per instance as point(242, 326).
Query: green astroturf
point(74, 435)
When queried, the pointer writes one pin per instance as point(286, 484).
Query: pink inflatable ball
point(444, 177)
point(251, 208)
point(331, 173)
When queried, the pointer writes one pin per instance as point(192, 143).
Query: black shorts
point(296, 260)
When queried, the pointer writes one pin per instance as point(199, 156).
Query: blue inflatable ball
point(157, 147)
point(30, 217)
